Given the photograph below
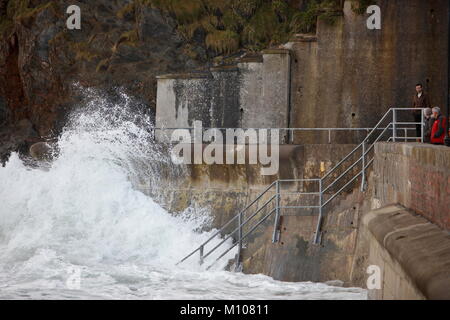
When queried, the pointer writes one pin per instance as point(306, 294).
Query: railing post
point(276, 233)
point(201, 255)
point(363, 179)
point(394, 125)
point(422, 126)
point(238, 256)
point(319, 220)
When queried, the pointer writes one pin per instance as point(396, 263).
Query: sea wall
point(224, 190)
point(406, 232)
point(417, 176)
point(354, 235)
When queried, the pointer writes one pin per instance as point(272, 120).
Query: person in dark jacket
point(420, 100)
point(439, 127)
point(429, 120)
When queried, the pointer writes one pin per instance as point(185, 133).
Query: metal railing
point(291, 132)
point(330, 186)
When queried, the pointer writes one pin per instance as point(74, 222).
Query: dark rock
point(3, 112)
point(42, 151)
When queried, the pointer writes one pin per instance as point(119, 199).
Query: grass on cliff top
point(229, 25)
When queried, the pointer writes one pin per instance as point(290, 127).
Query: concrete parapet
point(412, 254)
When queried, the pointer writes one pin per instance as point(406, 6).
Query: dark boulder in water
point(42, 151)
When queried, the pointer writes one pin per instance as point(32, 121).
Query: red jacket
point(438, 130)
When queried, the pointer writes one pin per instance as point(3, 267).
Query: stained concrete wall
point(349, 76)
point(276, 89)
point(182, 99)
point(252, 94)
point(224, 190)
point(409, 240)
point(416, 176)
point(354, 237)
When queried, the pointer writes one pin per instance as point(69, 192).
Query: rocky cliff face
point(41, 60)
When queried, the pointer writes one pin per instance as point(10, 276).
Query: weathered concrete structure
point(241, 96)
point(345, 75)
point(412, 253)
point(417, 176)
point(409, 241)
point(348, 75)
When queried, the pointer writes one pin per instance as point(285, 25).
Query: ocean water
point(78, 228)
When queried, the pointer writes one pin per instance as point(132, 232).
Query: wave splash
point(83, 211)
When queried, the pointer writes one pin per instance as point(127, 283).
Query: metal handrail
point(291, 131)
point(357, 161)
point(322, 189)
point(241, 224)
point(239, 227)
point(248, 233)
point(200, 248)
point(365, 152)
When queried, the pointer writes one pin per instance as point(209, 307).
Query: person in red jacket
point(439, 127)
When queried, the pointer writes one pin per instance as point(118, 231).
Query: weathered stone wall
point(407, 238)
point(416, 176)
point(349, 76)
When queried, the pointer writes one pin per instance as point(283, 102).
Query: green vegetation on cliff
point(20, 10)
point(251, 24)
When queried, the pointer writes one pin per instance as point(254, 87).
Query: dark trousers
point(418, 118)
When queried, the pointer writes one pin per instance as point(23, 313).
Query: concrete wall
point(224, 190)
point(348, 75)
point(404, 225)
point(413, 255)
point(344, 76)
point(182, 99)
point(416, 176)
point(276, 89)
point(252, 94)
